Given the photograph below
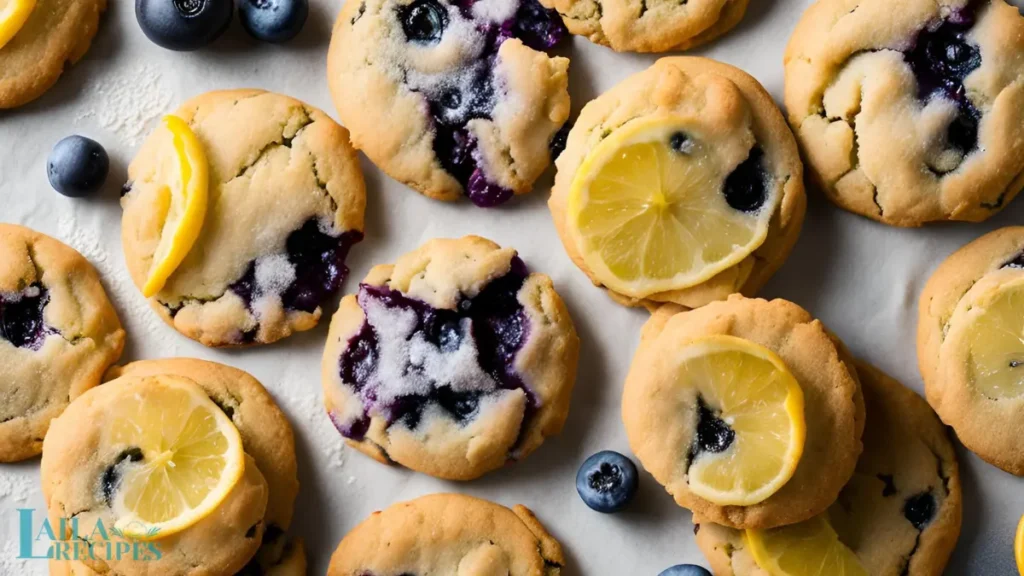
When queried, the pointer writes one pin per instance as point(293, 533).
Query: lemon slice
point(750, 430)
point(996, 340)
point(1018, 547)
point(648, 212)
point(182, 202)
point(13, 15)
point(185, 457)
point(810, 548)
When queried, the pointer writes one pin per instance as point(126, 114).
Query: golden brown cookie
point(58, 333)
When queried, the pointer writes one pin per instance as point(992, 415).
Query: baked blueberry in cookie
point(39, 40)
point(907, 124)
point(58, 333)
point(650, 25)
point(448, 534)
point(453, 98)
point(452, 361)
point(899, 515)
point(705, 179)
point(257, 235)
point(969, 343)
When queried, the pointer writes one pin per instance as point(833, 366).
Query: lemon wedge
point(183, 456)
point(810, 548)
point(1018, 547)
point(996, 340)
point(13, 15)
point(181, 201)
point(648, 211)
point(750, 427)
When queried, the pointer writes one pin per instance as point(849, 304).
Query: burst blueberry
point(183, 25)
point(746, 188)
point(607, 481)
point(273, 20)
point(77, 166)
point(21, 317)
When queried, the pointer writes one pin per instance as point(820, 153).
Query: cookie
point(915, 121)
point(58, 333)
point(452, 98)
point(651, 25)
point(664, 424)
point(286, 202)
point(57, 33)
point(449, 534)
point(249, 527)
point(729, 122)
point(900, 513)
point(969, 345)
point(453, 361)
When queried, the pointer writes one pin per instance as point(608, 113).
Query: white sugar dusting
point(10, 563)
point(308, 411)
point(274, 274)
point(495, 10)
point(127, 101)
point(17, 487)
point(408, 364)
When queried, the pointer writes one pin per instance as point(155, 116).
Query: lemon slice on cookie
point(13, 15)
point(750, 427)
point(810, 548)
point(181, 204)
point(996, 340)
point(650, 209)
point(183, 456)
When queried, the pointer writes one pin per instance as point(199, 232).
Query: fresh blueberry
point(607, 481)
point(273, 20)
point(183, 25)
point(77, 166)
point(685, 570)
point(424, 21)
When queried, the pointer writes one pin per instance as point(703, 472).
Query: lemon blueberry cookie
point(748, 412)
point(453, 361)
point(448, 534)
point(214, 492)
point(682, 184)
point(452, 97)
point(58, 334)
point(915, 121)
point(969, 345)
point(898, 516)
point(238, 236)
point(38, 40)
point(651, 25)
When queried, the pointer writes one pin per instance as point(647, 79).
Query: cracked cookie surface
point(453, 361)
point(58, 33)
point(452, 97)
point(900, 513)
point(448, 534)
point(663, 424)
point(731, 111)
point(649, 25)
point(958, 300)
point(916, 121)
point(249, 528)
point(58, 334)
point(286, 202)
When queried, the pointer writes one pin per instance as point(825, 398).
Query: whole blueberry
point(77, 166)
point(607, 481)
point(685, 570)
point(183, 25)
point(273, 20)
